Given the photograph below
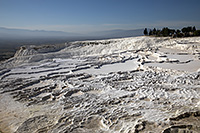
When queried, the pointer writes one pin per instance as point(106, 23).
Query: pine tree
point(165, 31)
point(150, 32)
point(154, 31)
point(145, 32)
point(194, 29)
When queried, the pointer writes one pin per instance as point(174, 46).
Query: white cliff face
point(136, 84)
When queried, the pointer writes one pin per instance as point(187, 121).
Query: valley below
point(127, 85)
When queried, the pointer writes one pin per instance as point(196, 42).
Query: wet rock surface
point(106, 86)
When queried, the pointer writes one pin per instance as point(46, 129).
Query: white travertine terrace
point(137, 84)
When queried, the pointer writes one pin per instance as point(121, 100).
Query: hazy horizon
point(89, 16)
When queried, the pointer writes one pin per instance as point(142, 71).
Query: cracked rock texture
point(128, 85)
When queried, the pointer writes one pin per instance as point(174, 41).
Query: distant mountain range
point(23, 33)
point(8, 33)
point(119, 33)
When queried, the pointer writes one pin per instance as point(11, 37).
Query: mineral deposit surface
point(127, 85)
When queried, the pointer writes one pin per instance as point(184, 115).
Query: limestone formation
point(128, 85)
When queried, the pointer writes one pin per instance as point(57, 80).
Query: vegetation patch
point(167, 32)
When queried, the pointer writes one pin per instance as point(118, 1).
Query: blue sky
point(82, 16)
